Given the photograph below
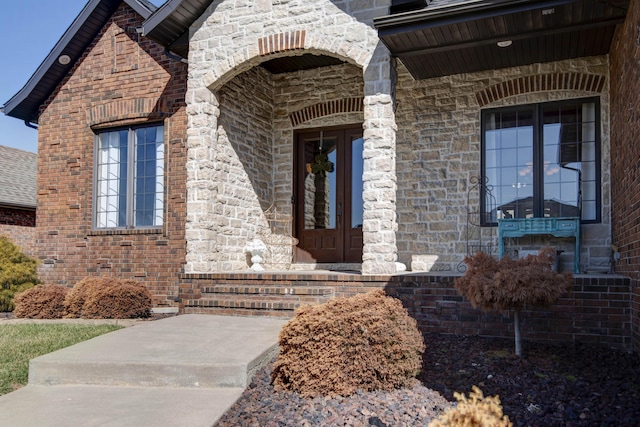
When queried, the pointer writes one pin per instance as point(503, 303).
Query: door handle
point(339, 214)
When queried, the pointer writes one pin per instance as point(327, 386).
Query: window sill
point(125, 231)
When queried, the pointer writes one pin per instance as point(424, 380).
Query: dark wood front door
point(328, 195)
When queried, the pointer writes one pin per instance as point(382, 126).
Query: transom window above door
point(542, 160)
point(129, 178)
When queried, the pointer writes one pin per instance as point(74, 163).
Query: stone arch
point(583, 82)
point(282, 44)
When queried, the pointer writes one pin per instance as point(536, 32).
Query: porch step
point(313, 266)
point(267, 290)
point(261, 300)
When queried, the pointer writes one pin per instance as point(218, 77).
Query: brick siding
point(122, 79)
point(595, 310)
point(24, 237)
point(21, 217)
point(625, 155)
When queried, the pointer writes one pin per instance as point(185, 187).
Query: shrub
point(108, 298)
point(365, 342)
point(41, 302)
point(17, 273)
point(510, 284)
point(475, 411)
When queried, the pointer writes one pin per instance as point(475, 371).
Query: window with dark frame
point(542, 160)
point(129, 178)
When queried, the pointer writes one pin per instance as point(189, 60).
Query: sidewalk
point(180, 371)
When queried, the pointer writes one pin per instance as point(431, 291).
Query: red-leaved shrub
point(41, 302)
point(365, 342)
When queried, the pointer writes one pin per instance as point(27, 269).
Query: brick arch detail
point(321, 109)
point(283, 42)
point(541, 83)
point(126, 109)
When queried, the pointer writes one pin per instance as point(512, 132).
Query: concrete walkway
point(180, 371)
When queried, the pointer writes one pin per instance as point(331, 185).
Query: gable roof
point(25, 104)
point(18, 178)
point(169, 26)
point(445, 37)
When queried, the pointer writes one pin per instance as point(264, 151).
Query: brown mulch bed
point(566, 385)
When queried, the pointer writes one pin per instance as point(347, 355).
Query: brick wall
point(595, 310)
point(24, 237)
point(121, 79)
point(22, 217)
point(625, 154)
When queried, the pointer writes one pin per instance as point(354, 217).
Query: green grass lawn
point(21, 343)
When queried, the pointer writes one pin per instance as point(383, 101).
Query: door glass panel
point(320, 157)
point(357, 163)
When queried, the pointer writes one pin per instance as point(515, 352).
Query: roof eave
point(142, 7)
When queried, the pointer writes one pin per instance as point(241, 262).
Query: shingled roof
point(17, 178)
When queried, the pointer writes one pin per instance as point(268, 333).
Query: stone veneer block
point(423, 262)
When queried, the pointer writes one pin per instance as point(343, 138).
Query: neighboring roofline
point(18, 206)
point(142, 7)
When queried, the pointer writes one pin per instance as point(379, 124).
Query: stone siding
point(625, 155)
point(122, 79)
point(439, 151)
point(243, 165)
point(231, 38)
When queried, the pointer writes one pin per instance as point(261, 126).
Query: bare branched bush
point(365, 342)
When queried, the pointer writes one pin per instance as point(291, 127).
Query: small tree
point(17, 273)
point(510, 284)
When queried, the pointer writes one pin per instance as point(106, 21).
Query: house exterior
point(18, 196)
point(376, 135)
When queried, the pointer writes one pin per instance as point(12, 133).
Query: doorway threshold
point(349, 267)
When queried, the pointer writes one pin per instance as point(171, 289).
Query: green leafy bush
point(475, 411)
point(41, 302)
point(365, 342)
point(108, 298)
point(17, 273)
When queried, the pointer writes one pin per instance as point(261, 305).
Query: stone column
point(202, 115)
point(379, 175)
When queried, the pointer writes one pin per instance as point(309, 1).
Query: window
point(542, 160)
point(129, 185)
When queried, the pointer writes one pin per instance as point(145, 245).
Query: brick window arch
point(321, 109)
point(541, 83)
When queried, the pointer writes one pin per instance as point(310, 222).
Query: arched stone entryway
point(239, 148)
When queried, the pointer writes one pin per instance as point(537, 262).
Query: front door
point(328, 195)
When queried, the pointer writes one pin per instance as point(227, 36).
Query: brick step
point(268, 290)
point(220, 311)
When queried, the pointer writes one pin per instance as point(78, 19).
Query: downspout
point(28, 124)
point(175, 56)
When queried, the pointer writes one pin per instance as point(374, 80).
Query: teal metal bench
point(557, 227)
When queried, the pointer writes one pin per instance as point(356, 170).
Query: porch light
point(504, 43)
point(64, 59)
